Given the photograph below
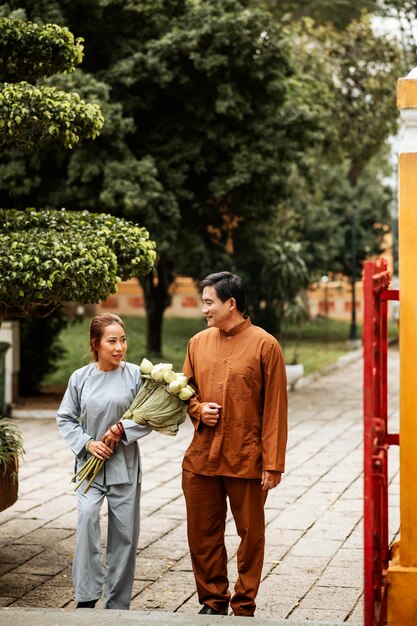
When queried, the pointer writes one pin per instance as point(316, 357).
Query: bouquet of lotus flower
point(160, 404)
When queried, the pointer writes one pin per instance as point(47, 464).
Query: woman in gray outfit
point(88, 419)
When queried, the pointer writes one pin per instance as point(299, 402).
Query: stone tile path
point(314, 555)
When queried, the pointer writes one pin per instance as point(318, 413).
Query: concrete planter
point(294, 373)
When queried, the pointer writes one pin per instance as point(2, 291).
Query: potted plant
point(11, 446)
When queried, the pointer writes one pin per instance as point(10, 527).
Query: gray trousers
point(88, 572)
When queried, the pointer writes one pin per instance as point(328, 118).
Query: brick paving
point(314, 554)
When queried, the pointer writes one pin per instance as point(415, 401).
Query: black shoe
point(208, 610)
point(89, 604)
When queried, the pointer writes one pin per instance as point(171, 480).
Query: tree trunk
point(157, 298)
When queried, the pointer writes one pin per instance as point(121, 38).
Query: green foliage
point(47, 257)
point(338, 12)
point(204, 90)
point(274, 273)
point(358, 70)
point(31, 116)
point(347, 81)
point(11, 444)
point(29, 51)
point(203, 141)
point(342, 177)
point(228, 132)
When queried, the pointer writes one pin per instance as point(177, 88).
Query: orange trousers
point(205, 498)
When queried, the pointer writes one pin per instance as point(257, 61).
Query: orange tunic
point(243, 370)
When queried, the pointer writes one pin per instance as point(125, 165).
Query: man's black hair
point(227, 285)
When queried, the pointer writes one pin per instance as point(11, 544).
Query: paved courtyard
point(314, 554)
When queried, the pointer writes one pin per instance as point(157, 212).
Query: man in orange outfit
point(238, 450)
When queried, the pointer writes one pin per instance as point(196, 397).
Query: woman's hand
point(111, 439)
point(113, 435)
point(99, 449)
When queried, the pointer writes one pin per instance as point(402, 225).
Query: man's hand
point(210, 413)
point(270, 479)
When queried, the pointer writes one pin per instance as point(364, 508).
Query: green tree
point(358, 69)
point(338, 12)
point(203, 143)
point(226, 131)
point(49, 256)
point(34, 115)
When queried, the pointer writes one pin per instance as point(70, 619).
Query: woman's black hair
point(227, 285)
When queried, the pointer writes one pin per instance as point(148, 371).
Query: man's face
point(216, 312)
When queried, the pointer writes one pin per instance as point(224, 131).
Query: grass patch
point(315, 355)
point(75, 341)
point(318, 343)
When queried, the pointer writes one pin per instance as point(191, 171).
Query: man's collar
point(237, 329)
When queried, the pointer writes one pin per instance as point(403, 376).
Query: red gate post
point(376, 440)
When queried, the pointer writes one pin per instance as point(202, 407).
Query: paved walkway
point(313, 561)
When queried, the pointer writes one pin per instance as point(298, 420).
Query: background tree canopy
point(202, 139)
point(230, 134)
point(337, 12)
point(404, 13)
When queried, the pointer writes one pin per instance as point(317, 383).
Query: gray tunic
point(92, 402)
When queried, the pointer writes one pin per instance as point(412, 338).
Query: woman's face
point(112, 347)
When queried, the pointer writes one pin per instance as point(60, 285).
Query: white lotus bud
point(186, 393)
point(169, 376)
point(159, 370)
point(146, 366)
point(176, 385)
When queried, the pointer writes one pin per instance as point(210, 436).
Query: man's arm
point(207, 413)
point(274, 419)
point(194, 404)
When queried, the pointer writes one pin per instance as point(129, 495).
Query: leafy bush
point(34, 115)
point(30, 51)
point(47, 257)
point(30, 116)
